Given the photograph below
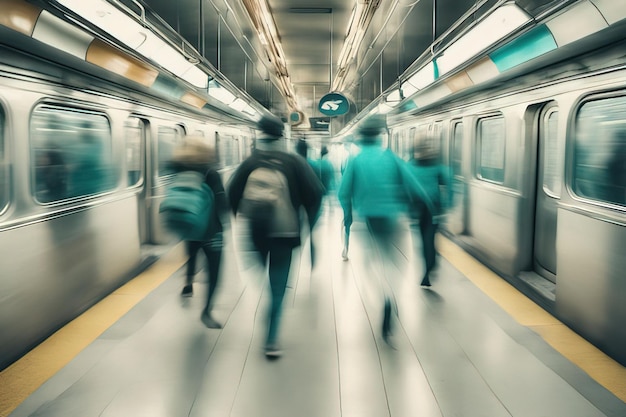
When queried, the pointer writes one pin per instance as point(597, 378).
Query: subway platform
point(469, 346)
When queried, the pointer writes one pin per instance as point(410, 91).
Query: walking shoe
point(425, 281)
point(344, 254)
point(273, 351)
point(187, 290)
point(209, 321)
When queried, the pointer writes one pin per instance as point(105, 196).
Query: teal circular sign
point(334, 104)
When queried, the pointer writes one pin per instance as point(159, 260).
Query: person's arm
point(310, 189)
point(236, 184)
point(214, 181)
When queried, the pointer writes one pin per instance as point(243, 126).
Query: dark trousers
point(383, 232)
point(213, 253)
point(428, 229)
point(279, 252)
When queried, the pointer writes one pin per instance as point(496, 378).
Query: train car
point(538, 162)
point(83, 168)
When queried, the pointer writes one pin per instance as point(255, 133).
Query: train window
point(551, 165)
point(457, 149)
point(168, 139)
point(134, 134)
point(227, 149)
point(71, 153)
point(4, 167)
point(600, 151)
point(246, 147)
point(490, 140)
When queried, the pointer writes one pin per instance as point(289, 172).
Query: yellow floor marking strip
point(606, 371)
point(23, 377)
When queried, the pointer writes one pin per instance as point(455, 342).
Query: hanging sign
point(334, 104)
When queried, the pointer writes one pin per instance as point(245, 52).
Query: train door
point(135, 137)
point(161, 173)
point(456, 217)
point(548, 192)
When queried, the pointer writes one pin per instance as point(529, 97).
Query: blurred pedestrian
point(372, 186)
point(266, 193)
point(433, 176)
point(196, 155)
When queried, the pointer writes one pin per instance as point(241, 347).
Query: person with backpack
point(196, 209)
point(266, 193)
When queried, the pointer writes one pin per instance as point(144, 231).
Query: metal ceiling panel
point(312, 34)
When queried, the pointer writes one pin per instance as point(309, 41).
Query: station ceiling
point(312, 34)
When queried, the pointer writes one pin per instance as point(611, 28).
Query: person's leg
point(213, 252)
point(279, 264)
point(192, 250)
point(382, 232)
point(427, 229)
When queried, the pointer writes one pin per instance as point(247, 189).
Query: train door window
point(551, 165)
point(71, 150)
point(600, 151)
point(168, 138)
point(456, 158)
point(134, 132)
point(227, 149)
point(437, 139)
point(490, 140)
point(4, 167)
point(411, 142)
point(246, 147)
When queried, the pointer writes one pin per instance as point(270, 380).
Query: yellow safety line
point(23, 377)
point(606, 371)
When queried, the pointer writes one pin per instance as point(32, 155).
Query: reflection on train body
point(82, 174)
point(539, 169)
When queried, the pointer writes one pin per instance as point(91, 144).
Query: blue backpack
point(187, 206)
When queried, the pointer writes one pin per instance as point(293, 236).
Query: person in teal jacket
point(433, 176)
point(372, 188)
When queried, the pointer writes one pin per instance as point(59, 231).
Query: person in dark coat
point(281, 233)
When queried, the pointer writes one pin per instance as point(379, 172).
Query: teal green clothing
point(431, 176)
point(372, 184)
point(325, 172)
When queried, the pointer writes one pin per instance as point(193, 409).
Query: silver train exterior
point(82, 173)
point(538, 161)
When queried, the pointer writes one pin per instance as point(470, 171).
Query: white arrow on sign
point(331, 105)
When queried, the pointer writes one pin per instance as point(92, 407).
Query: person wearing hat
point(284, 182)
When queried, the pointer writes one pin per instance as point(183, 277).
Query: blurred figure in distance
point(426, 168)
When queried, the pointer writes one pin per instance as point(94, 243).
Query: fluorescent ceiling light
point(238, 104)
point(218, 92)
point(108, 18)
point(195, 76)
point(422, 78)
point(503, 21)
point(384, 108)
point(249, 110)
point(394, 97)
point(408, 90)
point(119, 25)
